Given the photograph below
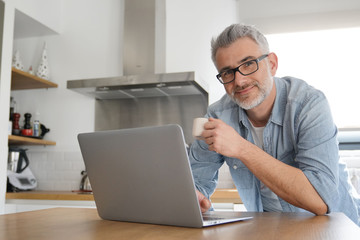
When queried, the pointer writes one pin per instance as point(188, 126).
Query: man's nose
point(239, 78)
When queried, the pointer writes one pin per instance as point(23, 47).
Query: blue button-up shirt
point(300, 133)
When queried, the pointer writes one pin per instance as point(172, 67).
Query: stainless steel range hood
point(139, 86)
point(144, 60)
point(146, 95)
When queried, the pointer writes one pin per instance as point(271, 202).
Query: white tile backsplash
point(56, 171)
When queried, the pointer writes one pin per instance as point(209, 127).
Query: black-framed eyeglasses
point(245, 69)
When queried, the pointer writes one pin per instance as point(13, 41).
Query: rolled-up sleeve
point(317, 148)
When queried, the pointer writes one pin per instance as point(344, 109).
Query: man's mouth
point(243, 90)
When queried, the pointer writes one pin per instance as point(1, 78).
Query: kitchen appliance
point(85, 183)
point(19, 174)
point(144, 61)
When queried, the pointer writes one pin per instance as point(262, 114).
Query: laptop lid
point(142, 175)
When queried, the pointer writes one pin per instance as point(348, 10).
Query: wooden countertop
point(50, 195)
point(221, 195)
point(84, 223)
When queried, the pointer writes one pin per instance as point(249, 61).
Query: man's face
point(247, 91)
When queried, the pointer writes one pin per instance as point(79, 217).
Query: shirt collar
point(277, 114)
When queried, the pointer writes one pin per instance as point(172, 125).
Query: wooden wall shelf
point(21, 80)
point(19, 140)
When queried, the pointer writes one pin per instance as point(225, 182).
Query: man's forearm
point(288, 182)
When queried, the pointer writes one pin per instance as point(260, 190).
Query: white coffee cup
point(198, 127)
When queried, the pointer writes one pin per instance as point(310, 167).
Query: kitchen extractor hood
point(146, 94)
point(144, 60)
point(139, 86)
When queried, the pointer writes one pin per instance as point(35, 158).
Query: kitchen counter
point(76, 223)
point(221, 195)
point(50, 195)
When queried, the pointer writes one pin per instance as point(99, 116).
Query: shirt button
point(235, 167)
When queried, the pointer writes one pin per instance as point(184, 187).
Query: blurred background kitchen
point(317, 41)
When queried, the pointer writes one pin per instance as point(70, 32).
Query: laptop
point(143, 175)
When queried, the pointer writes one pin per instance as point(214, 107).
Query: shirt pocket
point(241, 175)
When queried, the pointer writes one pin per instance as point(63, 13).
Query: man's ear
point(273, 62)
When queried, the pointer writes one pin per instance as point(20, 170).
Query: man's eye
point(249, 64)
point(227, 73)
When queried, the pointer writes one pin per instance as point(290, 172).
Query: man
point(276, 135)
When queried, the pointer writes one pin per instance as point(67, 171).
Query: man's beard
point(264, 91)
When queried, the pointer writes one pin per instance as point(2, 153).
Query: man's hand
point(203, 202)
point(222, 138)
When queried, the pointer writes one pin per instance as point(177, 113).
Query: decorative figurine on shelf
point(27, 130)
point(16, 62)
point(43, 69)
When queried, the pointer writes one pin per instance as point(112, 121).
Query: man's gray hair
point(233, 33)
